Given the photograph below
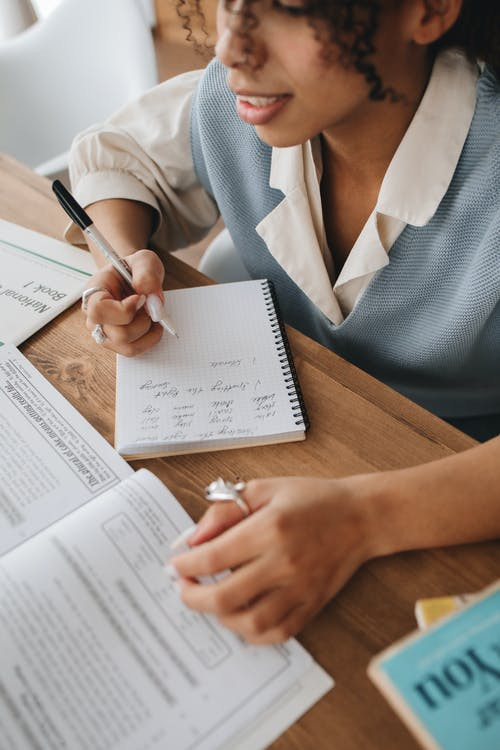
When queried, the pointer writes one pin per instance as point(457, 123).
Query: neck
point(363, 145)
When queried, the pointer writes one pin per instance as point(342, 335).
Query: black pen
point(83, 220)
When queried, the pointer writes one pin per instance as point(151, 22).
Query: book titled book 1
point(40, 278)
point(445, 682)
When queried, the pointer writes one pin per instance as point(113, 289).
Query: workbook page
point(99, 652)
point(40, 278)
point(51, 459)
point(225, 379)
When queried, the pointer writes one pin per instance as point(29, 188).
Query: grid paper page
point(221, 381)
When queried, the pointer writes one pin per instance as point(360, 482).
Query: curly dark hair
point(349, 26)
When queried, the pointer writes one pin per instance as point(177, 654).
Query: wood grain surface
point(357, 425)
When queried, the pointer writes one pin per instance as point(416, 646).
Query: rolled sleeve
point(143, 153)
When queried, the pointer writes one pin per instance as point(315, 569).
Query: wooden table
point(357, 425)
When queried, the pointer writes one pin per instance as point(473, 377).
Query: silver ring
point(87, 293)
point(98, 334)
point(221, 490)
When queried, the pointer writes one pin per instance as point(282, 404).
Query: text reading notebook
point(227, 382)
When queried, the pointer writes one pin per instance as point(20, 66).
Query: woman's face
point(285, 88)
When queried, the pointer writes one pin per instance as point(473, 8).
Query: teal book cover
point(445, 682)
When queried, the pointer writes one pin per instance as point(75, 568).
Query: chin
point(280, 140)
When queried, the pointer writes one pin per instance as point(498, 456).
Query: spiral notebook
point(228, 381)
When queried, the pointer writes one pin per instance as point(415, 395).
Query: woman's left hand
point(301, 543)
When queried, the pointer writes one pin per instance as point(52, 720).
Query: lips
point(260, 109)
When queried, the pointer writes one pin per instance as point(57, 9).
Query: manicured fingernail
point(140, 302)
point(155, 307)
point(182, 538)
point(171, 573)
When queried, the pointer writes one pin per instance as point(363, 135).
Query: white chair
point(149, 11)
point(221, 262)
point(15, 16)
point(74, 68)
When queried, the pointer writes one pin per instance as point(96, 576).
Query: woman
point(354, 155)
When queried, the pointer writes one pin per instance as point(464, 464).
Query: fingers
point(111, 284)
point(221, 516)
point(111, 312)
point(147, 272)
point(232, 549)
point(218, 518)
point(103, 308)
point(147, 276)
point(127, 326)
point(301, 543)
point(225, 539)
point(272, 617)
point(268, 620)
point(227, 595)
point(117, 339)
point(258, 492)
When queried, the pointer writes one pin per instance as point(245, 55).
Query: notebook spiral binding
point(285, 355)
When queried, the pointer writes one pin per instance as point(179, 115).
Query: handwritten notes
point(223, 383)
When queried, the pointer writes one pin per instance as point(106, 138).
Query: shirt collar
point(287, 167)
point(429, 151)
point(422, 168)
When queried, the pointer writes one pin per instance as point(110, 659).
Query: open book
point(228, 381)
point(97, 648)
point(40, 278)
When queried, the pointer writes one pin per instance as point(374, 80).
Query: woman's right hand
point(125, 322)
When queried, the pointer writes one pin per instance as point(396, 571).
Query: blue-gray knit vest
point(429, 322)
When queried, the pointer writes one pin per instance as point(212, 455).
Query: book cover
point(41, 277)
point(445, 682)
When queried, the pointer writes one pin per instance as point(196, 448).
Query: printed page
point(51, 459)
point(283, 712)
point(223, 380)
point(41, 277)
point(99, 652)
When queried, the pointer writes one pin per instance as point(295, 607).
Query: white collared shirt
point(143, 153)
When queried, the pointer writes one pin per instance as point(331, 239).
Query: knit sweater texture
point(428, 324)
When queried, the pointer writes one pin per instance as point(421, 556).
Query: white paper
point(222, 383)
point(283, 712)
point(51, 459)
point(99, 652)
point(39, 278)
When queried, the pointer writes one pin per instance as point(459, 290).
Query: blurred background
point(65, 64)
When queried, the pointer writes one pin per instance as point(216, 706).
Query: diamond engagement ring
point(98, 334)
point(221, 490)
point(86, 295)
